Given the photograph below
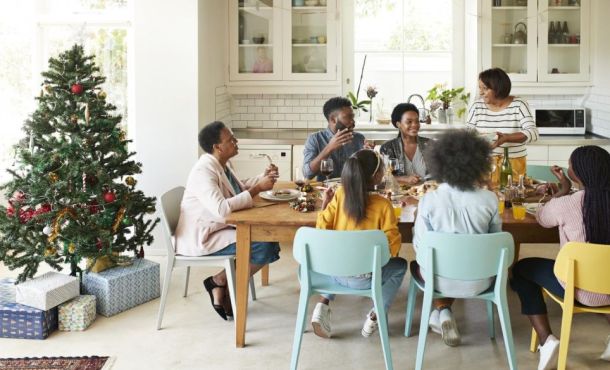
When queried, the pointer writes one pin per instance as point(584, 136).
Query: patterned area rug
point(56, 363)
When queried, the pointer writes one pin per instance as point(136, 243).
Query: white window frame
point(457, 56)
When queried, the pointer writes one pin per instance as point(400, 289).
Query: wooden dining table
point(278, 222)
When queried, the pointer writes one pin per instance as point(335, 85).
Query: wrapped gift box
point(19, 321)
point(77, 314)
point(7, 290)
point(121, 288)
point(48, 290)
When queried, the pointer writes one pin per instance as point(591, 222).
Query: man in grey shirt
point(337, 142)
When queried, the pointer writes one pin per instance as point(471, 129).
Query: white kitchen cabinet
point(252, 161)
point(516, 38)
point(297, 158)
point(283, 40)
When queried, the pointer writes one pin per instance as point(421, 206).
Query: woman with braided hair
point(583, 216)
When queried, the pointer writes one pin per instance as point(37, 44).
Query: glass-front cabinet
point(537, 40)
point(272, 40)
point(310, 37)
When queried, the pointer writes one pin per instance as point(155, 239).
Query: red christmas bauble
point(93, 207)
point(109, 197)
point(76, 89)
point(26, 215)
point(10, 211)
point(18, 197)
point(45, 208)
point(99, 244)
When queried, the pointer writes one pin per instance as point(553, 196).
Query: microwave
point(555, 121)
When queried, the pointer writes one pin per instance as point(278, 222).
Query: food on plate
point(420, 190)
point(307, 188)
point(303, 204)
point(281, 193)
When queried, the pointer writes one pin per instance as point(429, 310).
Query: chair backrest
point(591, 266)
point(543, 173)
point(466, 256)
point(170, 213)
point(340, 253)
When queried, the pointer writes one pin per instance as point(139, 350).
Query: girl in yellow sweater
point(352, 207)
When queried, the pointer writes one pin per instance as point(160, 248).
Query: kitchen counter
point(379, 136)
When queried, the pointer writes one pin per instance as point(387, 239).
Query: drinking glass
point(518, 210)
point(396, 166)
point(326, 168)
point(501, 201)
point(299, 179)
point(397, 210)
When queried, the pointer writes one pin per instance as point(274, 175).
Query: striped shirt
point(517, 117)
point(566, 213)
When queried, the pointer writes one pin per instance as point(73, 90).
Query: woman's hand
point(408, 180)
point(327, 196)
point(564, 182)
point(272, 170)
point(369, 144)
point(500, 139)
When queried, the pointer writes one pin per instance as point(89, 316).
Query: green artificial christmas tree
point(72, 195)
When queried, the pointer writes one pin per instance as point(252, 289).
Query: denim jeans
point(392, 274)
point(530, 275)
point(261, 253)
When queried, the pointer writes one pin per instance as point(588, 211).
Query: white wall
point(599, 99)
point(213, 50)
point(166, 93)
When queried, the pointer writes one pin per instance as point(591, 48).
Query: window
point(409, 47)
point(33, 31)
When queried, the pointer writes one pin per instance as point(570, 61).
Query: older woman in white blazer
point(212, 192)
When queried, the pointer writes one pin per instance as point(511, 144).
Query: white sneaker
point(606, 355)
point(435, 322)
point(449, 330)
point(548, 353)
point(370, 326)
point(320, 320)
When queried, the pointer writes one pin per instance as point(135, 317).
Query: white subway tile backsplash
point(247, 117)
point(307, 117)
point(269, 109)
point(316, 124)
point(320, 102)
point(277, 117)
point(270, 124)
point(255, 124)
point(254, 96)
point(276, 102)
point(255, 109)
point(284, 124)
point(246, 102)
point(299, 109)
point(315, 110)
point(262, 116)
point(292, 116)
point(261, 102)
point(239, 124)
point(307, 102)
point(240, 109)
point(284, 109)
point(292, 102)
point(299, 124)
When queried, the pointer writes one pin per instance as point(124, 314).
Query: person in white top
point(582, 216)
point(212, 193)
point(508, 117)
point(459, 160)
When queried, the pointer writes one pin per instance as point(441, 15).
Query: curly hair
point(334, 104)
point(401, 109)
point(461, 158)
point(210, 135)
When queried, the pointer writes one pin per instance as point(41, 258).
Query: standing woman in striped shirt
point(509, 117)
point(583, 217)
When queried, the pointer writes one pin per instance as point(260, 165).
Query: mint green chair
point(542, 173)
point(326, 253)
point(463, 257)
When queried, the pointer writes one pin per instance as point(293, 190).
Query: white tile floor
point(193, 337)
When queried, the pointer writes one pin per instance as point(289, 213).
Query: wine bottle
point(565, 33)
point(551, 32)
point(558, 32)
point(505, 169)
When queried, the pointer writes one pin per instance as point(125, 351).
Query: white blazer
point(208, 199)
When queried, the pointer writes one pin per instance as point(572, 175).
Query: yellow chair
point(584, 266)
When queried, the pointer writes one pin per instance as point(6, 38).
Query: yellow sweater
point(379, 216)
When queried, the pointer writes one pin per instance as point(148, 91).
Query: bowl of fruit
point(303, 204)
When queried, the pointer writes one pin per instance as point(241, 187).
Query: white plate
point(280, 195)
point(531, 208)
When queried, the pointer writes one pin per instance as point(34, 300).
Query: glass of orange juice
point(518, 210)
point(397, 210)
point(501, 201)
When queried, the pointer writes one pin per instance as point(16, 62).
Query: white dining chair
point(169, 214)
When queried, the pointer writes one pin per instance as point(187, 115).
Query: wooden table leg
point(265, 275)
point(242, 262)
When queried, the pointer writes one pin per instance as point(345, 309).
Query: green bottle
point(505, 169)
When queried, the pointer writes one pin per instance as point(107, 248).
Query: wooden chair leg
point(265, 275)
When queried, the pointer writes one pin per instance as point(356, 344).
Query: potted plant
point(358, 105)
point(442, 98)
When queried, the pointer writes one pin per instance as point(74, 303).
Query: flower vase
point(442, 115)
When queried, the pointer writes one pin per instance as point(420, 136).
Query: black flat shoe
point(210, 285)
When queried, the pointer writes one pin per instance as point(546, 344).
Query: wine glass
point(326, 168)
point(396, 166)
point(299, 179)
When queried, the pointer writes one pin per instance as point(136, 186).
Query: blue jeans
point(392, 274)
point(261, 253)
point(530, 275)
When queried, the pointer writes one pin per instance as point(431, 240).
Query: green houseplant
point(442, 98)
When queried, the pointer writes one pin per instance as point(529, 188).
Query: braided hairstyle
point(591, 164)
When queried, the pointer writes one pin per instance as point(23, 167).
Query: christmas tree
point(72, 194)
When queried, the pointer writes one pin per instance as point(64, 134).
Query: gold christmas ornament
point(118, 219)
point(74, 119)
point(49, 251)
point(71, 248)
point(101, 94)
point(48, 90)
point(53, 177)
point(122, 135)
point(130, 181)
point(57, 222)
